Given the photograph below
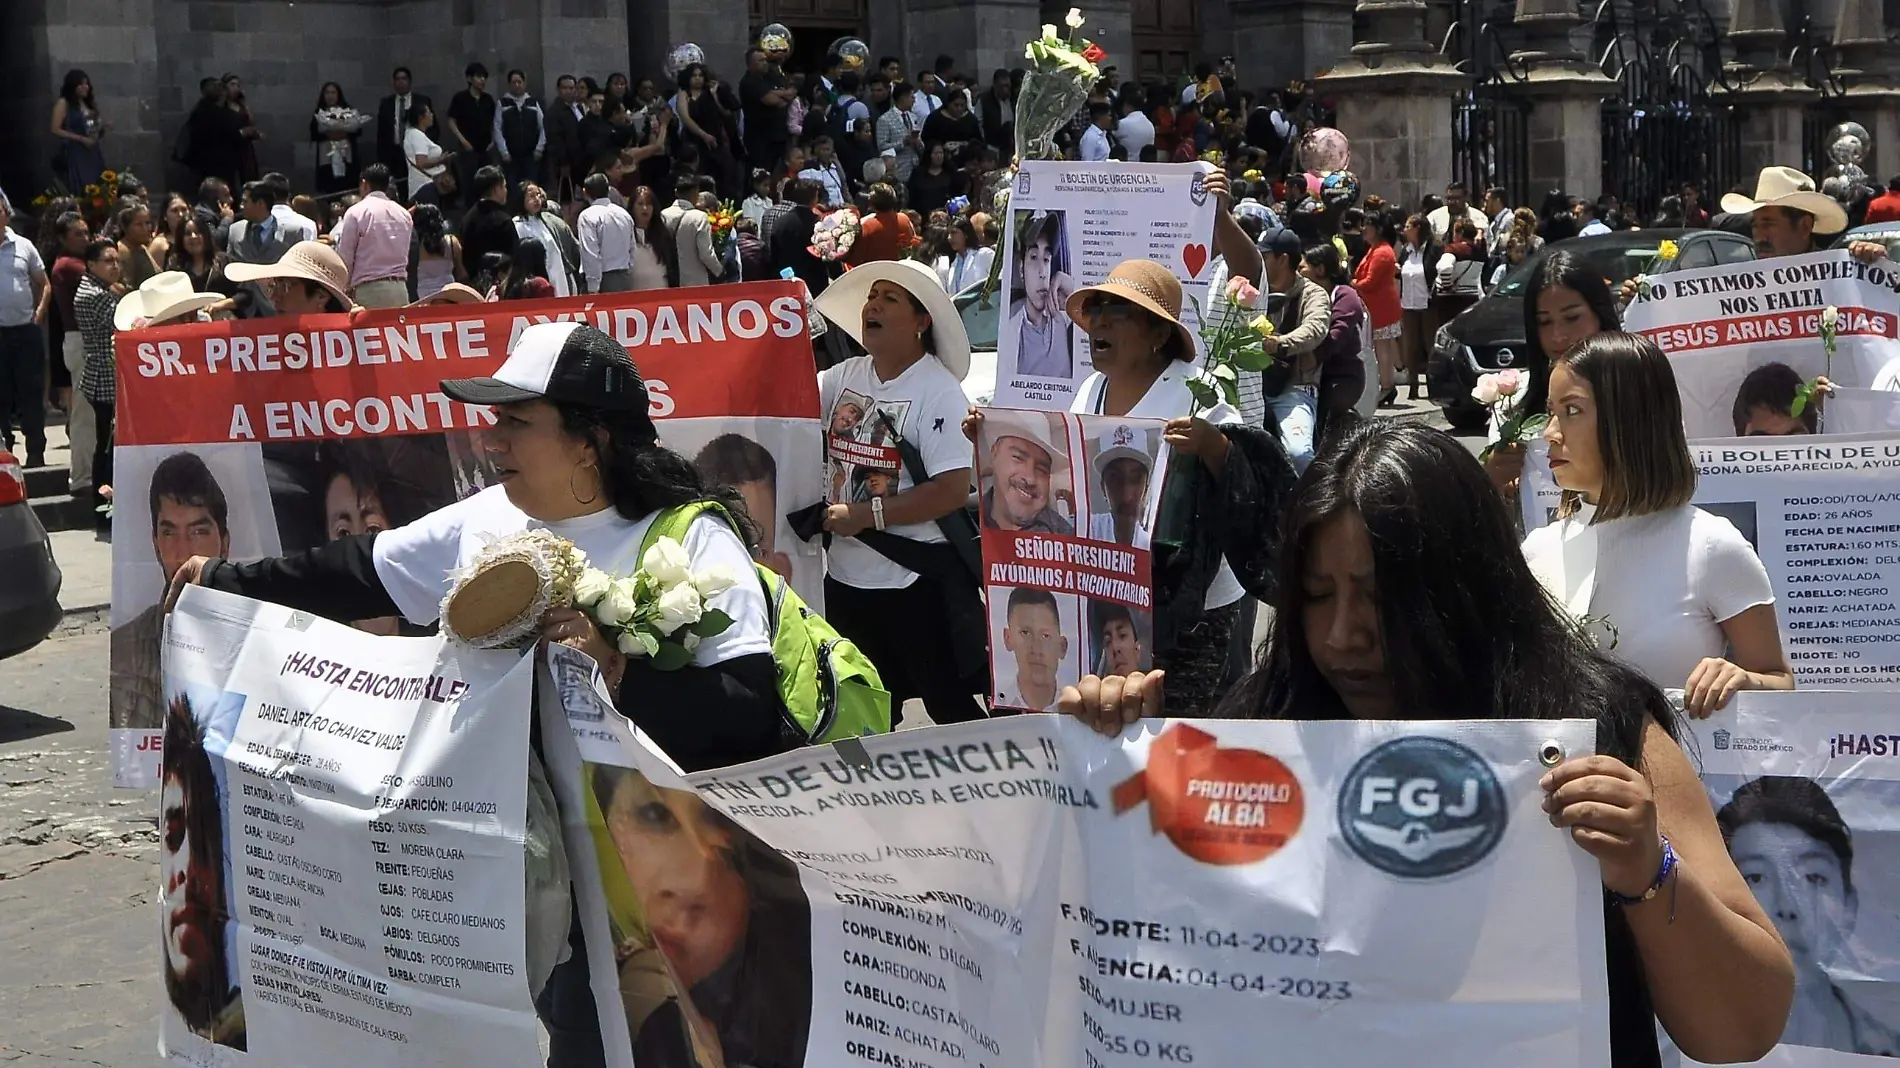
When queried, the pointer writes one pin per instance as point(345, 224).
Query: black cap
point(1282, 240)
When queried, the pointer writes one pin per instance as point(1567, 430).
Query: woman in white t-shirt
point(1223, 487)
point(894, 583)
point(426, 158)
point(1676, 592)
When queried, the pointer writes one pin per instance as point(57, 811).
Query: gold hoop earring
point(597, 484)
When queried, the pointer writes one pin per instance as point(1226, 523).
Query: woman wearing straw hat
point(309, 279)
point(895, 585)
point(1213, 544)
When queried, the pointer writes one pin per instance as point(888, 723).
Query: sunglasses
point(1109, 308)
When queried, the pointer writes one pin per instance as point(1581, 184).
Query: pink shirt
point(373, 240)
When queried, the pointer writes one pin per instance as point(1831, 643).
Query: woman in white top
point(968, 261)
point(1418, 263)
point(894, 584)
point(426, 158)
point(1672, 590)
point(1213, 539)
point(654, 262)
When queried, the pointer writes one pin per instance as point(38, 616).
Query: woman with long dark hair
point(247, 127)
point(703, 119)
point(78, 129)
point(1418, 267)
point(655, 259)
point(526, 275)
point(1376, 280)
point(934, 181)
point(1680, 592)
point(338, 164)
point(1342, 365)
point(1390, 610)
point(193, 251)
point(438, 252)
point(1566, 302)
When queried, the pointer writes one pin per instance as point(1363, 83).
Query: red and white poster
point(263, 437)
point(1068, 503)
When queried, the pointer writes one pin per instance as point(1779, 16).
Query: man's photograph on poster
point(1745, 515)
point(1040, 284)
point(1023, 472)
point(712, 930)
point(197, 930)
point(1120, 639)
point(1831, 889)
point(1037, 654)
point(1764, 405)
point(748, 468)
point(1124, 460)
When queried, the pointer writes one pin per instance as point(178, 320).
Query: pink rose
point(1510, 381)
point(1242, 293)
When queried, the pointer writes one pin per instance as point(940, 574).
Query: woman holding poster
point(1392, 611)
point(1679, 592)
point(1219, 496)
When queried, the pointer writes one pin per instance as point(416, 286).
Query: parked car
point(980, 317)
point(1887, 234)
point(29, 576)
point(1489, 336)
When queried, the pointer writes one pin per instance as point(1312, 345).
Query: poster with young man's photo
point(1067, 505)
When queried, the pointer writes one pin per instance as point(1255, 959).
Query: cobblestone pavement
point(77, 869)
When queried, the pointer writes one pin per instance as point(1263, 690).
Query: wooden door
point(1167, 38)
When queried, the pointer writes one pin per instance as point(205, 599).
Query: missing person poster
point(1020, 892)
point(1823, 513)
point(341, 824)
point(1806, 790)
point(265, 437)
point(1743, 337)
point(1069, 225)
point(1067, 504)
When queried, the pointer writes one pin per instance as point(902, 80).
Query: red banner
point(1775, 326)
point(379, 372)
point(1063, 564)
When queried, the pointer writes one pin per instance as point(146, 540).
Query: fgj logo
point(1721, 738)
point(1219, 806)
point(1421, 808)
point(1022, 183)
point(1197, 189)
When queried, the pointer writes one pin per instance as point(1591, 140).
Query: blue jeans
point(1296, 411)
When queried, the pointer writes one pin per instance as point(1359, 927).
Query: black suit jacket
point(564, 140)
point(389, 146)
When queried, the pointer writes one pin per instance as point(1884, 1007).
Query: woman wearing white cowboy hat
point(909, 389)
point(161, 299)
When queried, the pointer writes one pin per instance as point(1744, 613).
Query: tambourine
point(498, 599)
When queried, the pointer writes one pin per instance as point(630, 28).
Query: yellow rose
point(1667, 251)
point(1262, 325)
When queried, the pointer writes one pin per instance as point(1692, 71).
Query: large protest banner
point(1823, 513)
point(269, 436)
point(1023, 892)
point(1069, 225)
point(1067, 504)
point(1806, 789)
point(1750, 323)
point(341, 849)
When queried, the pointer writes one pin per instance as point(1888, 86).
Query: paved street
point(78, 858)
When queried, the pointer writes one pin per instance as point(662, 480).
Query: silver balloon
point(776, 41)
point(683, 57)
point(855, 53)
point(1848, 146)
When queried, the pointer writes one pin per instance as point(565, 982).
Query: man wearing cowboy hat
point(1024, 462)
point(159, 300)
point(1787, 211)
point(309, 279)
point(1124, 473)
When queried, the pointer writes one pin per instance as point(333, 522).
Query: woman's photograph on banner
point(1125, 459)
point(1824, 862)
point(1039, 331)
point(197, 903)
point(1038, 652)
point(1024, 473)
point(712, 929)
point(172, 503)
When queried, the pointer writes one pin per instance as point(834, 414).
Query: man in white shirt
point(23, 283)
point(823, 167)
point(1095, 145)
point(1593, 224)
point(1457, 206)
point(692, 235)
point(854, 107)
point(1124, 472)
point(1136, 130)
point(927, 101)
point(1034, 638)
point(296, 227)
point(605, 232)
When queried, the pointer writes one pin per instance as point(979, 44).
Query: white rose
point(679, 607)
point(667, 563)
point(1830, 316)
point(593, 585)
point(616, 606)
point(1074, 20)
point(1048, 30)
point(690, 641)
point(1486, 391)
point(715, 580)
point(629, 644)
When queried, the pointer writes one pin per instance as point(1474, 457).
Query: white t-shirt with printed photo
point(926, 404)
point(414, 561)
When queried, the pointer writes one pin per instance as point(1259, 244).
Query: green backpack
point(831, 690)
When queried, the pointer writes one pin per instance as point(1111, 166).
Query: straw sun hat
point(1145, 284)
point(312, 261)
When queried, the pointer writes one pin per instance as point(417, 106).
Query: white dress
point(418, 145)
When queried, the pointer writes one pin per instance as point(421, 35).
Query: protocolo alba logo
point(1421, 808)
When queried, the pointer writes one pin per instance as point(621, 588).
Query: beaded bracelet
point(1663, 874)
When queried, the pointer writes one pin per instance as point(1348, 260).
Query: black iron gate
point(1815, 58)
point(1490, 126)
point(1668, 123)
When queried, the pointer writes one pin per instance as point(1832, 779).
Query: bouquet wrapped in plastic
point(832, 238)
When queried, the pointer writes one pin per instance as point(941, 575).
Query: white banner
point(1758, 325)
point(1022, 892)
point(1806, 789)
point(341, 819)
point(1823, 513)
point(1069, 225)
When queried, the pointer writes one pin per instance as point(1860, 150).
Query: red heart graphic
point(1195, 257)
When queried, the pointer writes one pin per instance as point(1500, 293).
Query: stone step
point(46, 481)
point(64, 512)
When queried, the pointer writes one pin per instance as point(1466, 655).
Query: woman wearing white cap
point(895, 585)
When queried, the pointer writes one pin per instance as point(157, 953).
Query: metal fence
point(1491, 123)
point(1670, 121)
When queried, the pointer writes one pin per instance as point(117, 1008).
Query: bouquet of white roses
point(660, 611)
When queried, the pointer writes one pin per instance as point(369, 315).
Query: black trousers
point(102, 443)
point(905, 634)
point(566, 1007)
point(23, 386)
